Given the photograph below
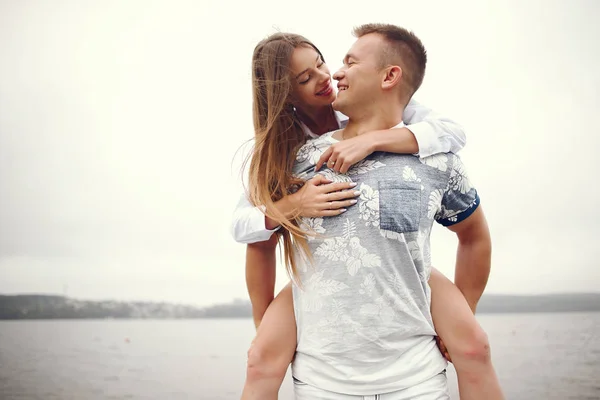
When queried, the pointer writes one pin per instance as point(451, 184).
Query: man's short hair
point(404, 49)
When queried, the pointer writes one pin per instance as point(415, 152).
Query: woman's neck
point(319, 120)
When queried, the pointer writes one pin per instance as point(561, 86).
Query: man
point(363, 305)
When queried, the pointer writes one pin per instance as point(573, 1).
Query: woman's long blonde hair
point(278, 136)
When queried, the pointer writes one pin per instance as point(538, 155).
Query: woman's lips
point(326, 92)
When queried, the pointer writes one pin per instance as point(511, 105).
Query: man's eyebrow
point(348, 56)
point(303, 72)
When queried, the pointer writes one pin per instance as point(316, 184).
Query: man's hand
point(321, 198)
point(342, 155)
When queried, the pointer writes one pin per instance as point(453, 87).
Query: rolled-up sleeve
point(434, 133)
point(248, 223)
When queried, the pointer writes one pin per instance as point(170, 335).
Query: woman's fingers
point(320, 180)
point(336, 187)
point(343, 195)
point(330, 199)
point(345, 167)
point(324, 157)
point(333, 205)
point(331, 213)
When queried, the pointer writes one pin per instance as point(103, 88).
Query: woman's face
point(311, 80)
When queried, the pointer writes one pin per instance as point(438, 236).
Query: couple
point(352, 192)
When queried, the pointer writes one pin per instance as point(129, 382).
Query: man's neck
point(319, 120)
point(373, 119)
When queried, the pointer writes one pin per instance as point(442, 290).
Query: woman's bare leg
point(464, 339)
point(272, 349)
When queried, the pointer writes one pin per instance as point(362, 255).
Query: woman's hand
point(319, 197)
point(342, 155)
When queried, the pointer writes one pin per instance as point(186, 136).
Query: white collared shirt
point(434, 134)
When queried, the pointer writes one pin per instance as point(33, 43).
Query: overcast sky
point(120, 122)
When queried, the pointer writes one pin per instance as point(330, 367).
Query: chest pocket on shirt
point(399, 206)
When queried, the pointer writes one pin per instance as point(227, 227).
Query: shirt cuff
point(455, 218)
point(249, 226)
point(428, 139)
point(263, 225)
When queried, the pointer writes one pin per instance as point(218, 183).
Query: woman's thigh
point(453, 319)
point(277, 331)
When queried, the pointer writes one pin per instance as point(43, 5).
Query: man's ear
point(392, 77)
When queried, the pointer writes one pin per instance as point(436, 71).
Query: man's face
point(359, 80)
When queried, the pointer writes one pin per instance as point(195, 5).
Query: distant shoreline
point(38, 307)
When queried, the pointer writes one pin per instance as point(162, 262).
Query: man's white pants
point(435, 388)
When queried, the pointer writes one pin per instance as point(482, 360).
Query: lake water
point(537, 356)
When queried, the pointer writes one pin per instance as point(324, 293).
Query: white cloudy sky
point(120, 122)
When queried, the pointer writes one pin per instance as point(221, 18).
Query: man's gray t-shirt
point(363, 305)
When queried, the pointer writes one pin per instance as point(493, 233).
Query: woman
point(292, 99)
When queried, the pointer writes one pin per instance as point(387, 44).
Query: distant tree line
point(60, 307)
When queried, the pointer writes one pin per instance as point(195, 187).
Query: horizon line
point(248, 300)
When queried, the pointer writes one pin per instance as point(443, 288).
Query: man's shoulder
point(437, 167)
point(441, 161)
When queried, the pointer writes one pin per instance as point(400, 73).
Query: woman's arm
point(426, 133)
point(317, 198)
point(249, 224)
point(433, 132)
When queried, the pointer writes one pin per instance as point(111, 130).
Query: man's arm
point(460, 211)
point(260, 276)
point(474, 256)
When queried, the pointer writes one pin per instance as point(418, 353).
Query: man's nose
point(339, 74)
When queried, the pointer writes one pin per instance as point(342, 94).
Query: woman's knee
point(264, 363)
point(474, 347)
